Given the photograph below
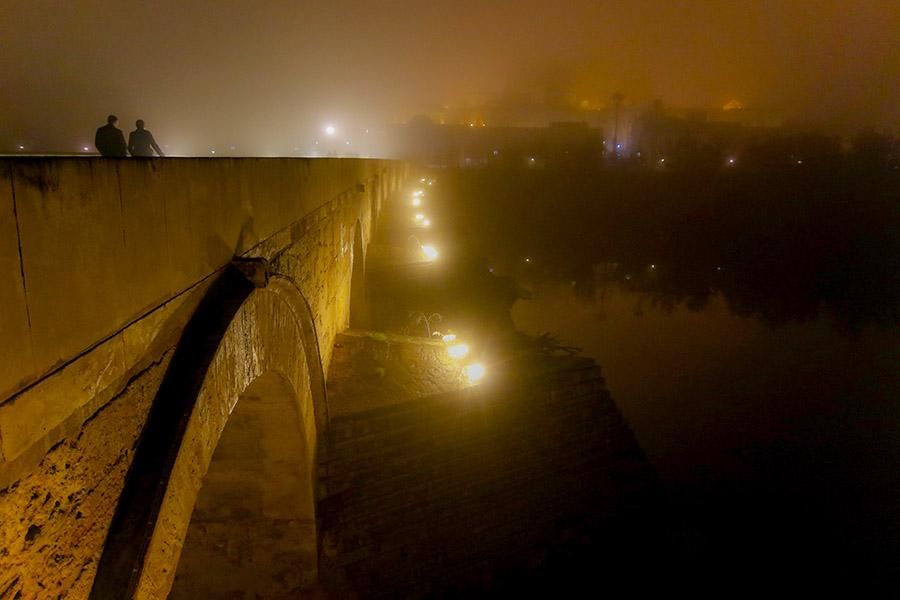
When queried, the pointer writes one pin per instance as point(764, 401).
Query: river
point(747, 329)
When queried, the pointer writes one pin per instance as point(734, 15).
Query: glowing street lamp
point(430, 252)
point(458, 350)
point(474, 372)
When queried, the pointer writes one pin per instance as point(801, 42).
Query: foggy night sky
point(270, 72)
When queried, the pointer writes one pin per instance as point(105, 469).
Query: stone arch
point(253, 529)
point(359, 310)
point(239, 336)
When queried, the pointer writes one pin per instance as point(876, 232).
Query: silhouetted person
point(141, 142)
point(110, 141)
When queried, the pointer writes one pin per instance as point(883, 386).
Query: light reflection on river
point(795, 424)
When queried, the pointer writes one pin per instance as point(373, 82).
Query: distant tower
point(617, 103)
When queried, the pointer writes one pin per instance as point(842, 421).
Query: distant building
point(478, 145)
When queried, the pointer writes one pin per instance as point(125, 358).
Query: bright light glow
point(653, 266)
point(458, 350)
point(474, 372)
point(419, 217)
point(731, 161)
point(21, 147)
point(85, 148)
point(417, 201)
point(330, 130)
point(212, 151)
point(449, 337)
point(528, 259)
point(426, 223)
point(422, 180)
point(430, 252)
point(418, 193)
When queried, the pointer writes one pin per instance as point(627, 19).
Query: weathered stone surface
point(139, 245)
point(145, 227)
point(67, 439)
point(54, 520)
point(38, 418)
point(16, 358)
point(116, 238)
point(70, 227)
point(371, 369)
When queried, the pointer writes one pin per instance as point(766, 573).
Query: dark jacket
point(110, 141)
point(141, 143)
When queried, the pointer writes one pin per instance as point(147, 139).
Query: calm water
point(747, 328)
point(779, 443)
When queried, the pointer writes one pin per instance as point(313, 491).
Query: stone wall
point(485, 491)
point(102, 262)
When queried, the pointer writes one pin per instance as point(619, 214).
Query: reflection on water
point(748, 329)
point(777, 441)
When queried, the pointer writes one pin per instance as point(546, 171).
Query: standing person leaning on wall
point(110, 141)
point(141, 142)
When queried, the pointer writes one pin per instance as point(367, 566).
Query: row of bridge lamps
point(457, 349)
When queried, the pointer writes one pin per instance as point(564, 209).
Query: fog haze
point(266, 76)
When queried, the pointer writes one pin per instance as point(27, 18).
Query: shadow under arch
point(237, 334)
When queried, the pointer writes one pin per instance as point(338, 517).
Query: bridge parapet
point(100, 259)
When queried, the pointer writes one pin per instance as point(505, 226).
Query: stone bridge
point(139, 301)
